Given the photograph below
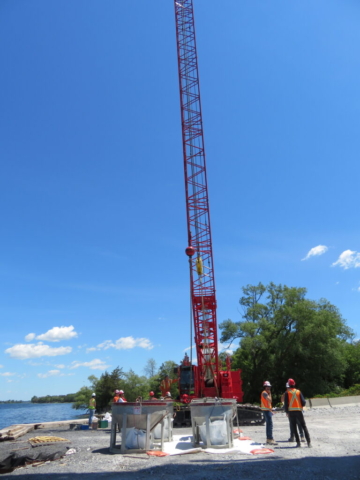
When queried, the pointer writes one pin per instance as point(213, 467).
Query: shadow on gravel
point(103, 451)
point(213, 469)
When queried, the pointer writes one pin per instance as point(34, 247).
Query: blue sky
point(92, 269)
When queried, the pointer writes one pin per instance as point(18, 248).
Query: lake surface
point(15, 413)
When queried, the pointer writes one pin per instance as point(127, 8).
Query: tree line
point(133, 385)
point(282, 335)
point(69, 398)
point(11, 401)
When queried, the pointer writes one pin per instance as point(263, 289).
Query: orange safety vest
point(116, 398)
point(294, 399)
point(265, 402)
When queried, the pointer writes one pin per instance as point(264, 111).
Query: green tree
point(150, 368)
point(135, 386)
point(222, 360)
point(352, 355)
point(284, 335)
point(82, 397)
point(105, 387)
point(169, 368)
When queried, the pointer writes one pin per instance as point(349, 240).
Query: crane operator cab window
point(186, 379)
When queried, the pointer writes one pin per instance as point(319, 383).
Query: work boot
point(298, 445)
point(271, 441)
point(302, 439)
point(309, 445)
point(291, 439)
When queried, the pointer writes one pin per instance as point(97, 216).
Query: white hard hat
point(168, 394)
point(93, 395)
point(121, 391)
point(287, 385)
point(267, 384)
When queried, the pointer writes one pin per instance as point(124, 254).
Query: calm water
point(14, 413)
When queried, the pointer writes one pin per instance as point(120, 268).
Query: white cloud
point(33, 350)
point(29, 337)
point(95, 364)
point(60, 366)
point(50, 373)
point(123, 343)
point(127, 343)
point(105, 345)
point(225, 348)
point(58, 333)
point(348, 259)
point(7, 374)
point(189, 348)
point(1, 366)
point(316, 251)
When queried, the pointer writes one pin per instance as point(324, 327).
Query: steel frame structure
point(202, 280)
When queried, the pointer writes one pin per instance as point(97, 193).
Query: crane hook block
point(199, 266)
point(190, 251)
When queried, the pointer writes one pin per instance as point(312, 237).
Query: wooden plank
point(82, 421)
point(22, 432)
point(15, 431)
point(14, 428)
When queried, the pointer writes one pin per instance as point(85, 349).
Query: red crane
point(205, 379)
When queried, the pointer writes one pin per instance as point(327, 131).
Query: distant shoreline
point(29, 401)
point(14, 401)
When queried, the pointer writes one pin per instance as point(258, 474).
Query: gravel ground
point(335, 436)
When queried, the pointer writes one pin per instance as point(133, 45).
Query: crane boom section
point(197, 202)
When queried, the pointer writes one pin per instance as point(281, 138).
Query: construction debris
point(15, 431)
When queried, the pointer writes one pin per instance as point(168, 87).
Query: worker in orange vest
point(121, 398)
point(266, 407)
point(294, 403)
point(165, 384)
point(292, 434)
point(116, 396)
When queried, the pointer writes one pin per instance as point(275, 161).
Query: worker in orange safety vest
point(294, 404)
point(121, 398)
point(116, 396)
point(292, 434)
point(266, 407)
